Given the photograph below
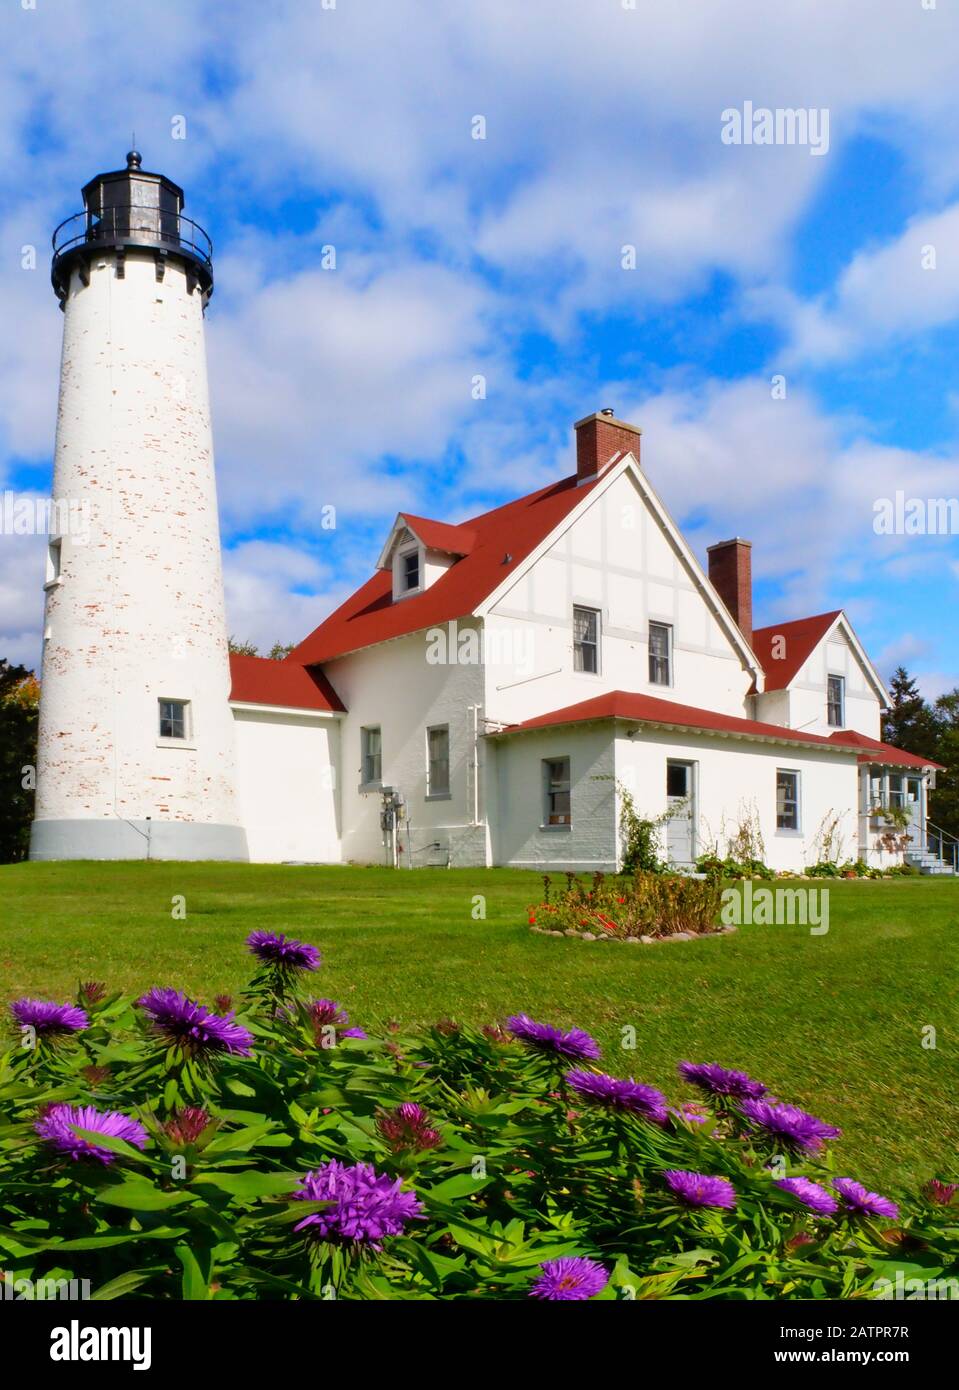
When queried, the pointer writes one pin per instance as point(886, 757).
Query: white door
point(680, 828)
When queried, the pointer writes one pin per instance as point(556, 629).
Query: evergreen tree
point(944, 802)
point(19, 710)
point(910, 723)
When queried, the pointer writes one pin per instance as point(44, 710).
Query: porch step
point(928, 863)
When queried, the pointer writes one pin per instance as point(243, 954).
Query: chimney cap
point(608, 410)
point(735, 540)
point(608, 418)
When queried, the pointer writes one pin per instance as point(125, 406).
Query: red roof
point(797, 641)
point(439, 535)
point(647, 709)
point(896, 756)
point(258, 680)
point(500, 539)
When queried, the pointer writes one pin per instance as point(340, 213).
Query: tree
point(910, 723)
point(944, 803)
point(277, 652)
point(19, 712)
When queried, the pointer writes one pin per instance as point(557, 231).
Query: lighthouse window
point(173, 718)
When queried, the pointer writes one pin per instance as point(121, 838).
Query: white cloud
point(906, 286)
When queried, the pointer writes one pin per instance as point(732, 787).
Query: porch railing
point(943, 845)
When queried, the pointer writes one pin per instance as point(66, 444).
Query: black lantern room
point(131, 208)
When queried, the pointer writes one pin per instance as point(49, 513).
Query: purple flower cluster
point(700, 1190)
point(273, 948)
point(367, 1206)
point(789, 1124)
point(719, 1081)
point(185, 1126)
point(58, 1125)
point(49, 1020)
point(575, 1044)
point(570, 1279)
point(616, 1094)
point(810, 1194)
point(861, 1202)
point(408, 1127)
point(183, 1023)
point(327, 1013)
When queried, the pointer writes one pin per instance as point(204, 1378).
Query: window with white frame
point(586, 640)
point(438, 760)
point(835, 701)
point(174, 718)
point(660, 653)
point(556, 793)
point(409, 570)
point(787, 799)
point(371, 749)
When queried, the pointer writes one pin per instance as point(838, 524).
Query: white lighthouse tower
point(136, 752)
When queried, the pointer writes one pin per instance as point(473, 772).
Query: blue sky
point(351, 125)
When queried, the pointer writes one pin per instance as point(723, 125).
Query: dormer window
point(410, 570)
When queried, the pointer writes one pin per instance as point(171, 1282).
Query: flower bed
point(639, 907)
point(164, 1150)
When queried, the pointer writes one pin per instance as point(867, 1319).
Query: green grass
point(831, 1022)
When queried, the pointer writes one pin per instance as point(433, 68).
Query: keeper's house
point(489, 693)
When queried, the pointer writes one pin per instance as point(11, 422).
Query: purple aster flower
point(790, 1124)
point(575, 1044)
point(57, 1127)
point(700, 1190)
point(329, 1022)
point(272, 948)
point(861, 1201)
point(49, 1020)
point(692, 1113)
point(720, 1081)
point(617, 1094)
point(572, 1278)
point(408, 1127)
point(811, 1195)
point(367, 1206)
point(186, 1024)
point(185, 1126)
point(939, 1192)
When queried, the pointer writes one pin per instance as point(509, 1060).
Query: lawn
point(835, 1022)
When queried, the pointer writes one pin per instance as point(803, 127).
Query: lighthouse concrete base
point(137, 839)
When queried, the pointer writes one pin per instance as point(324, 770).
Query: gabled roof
point(878, 752)
point(649, 709)
point(258, 680)
point(435, 535)
point(500, 540)
point(800, 639)
point(439, 535)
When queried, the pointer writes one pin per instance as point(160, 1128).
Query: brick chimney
point(731, 575)
point(598, 438)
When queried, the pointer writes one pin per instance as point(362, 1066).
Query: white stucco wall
point(138, 613)
point(590, 842)
point(617, 558)
point(803, 705)
point(395, 686)
point(289, 786)
point(736, 779)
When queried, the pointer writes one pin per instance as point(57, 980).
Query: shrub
point(164, 1151)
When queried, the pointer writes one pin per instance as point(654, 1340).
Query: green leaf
point(124, 1284)
point(139, 1195)
point(196, 1277)
point(249, 1184)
